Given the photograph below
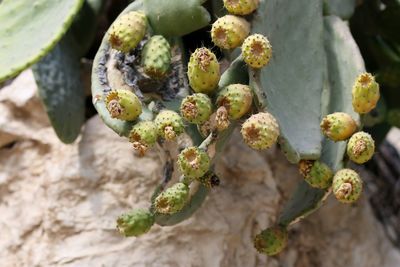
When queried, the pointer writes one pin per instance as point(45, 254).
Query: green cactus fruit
point(316, 173)
point(365, 94)
point(272, 240)
point(135, 222)
point(361, 147)
point(193, 162)
point(203, 71)
point(338, 126)
point(260, 131)
point(347, 186)
point(169, 124)
point(236, 98)
point(256, 51)
point(143, 135)
point(196, 108)
point(241, 7)
point(156, 57)
point(123, 105)
point(173, 199)
point(127, 31)
point(393, 117)
point(229, 32)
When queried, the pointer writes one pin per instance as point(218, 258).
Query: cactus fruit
point(135, 222)
point(361, 147)
point(196, 108)
point(316, 173)
point(156, 57)
point(203, 71)
point(241, 7)
point(169, 124)
point(347, 186)
point(365, 94)
point(256, 51)
point(229, 31)
point(338, 126)
point(260, 131)
point(393, 117)
point(127, 31)
point(173, 199)
point(272, 240)
point(143, 135)
point(222, 118)
point(123, 105)
point(236, 98)
point(193, 162)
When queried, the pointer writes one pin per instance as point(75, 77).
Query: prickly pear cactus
point(271, 97)
point(49, 20)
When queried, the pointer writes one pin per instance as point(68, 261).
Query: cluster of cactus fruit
point(213, 110)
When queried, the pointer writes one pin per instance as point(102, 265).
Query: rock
point(59, 203)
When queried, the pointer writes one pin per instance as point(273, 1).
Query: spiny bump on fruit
point(173, 199)
point(123, 105)
point(316, 173)
point(156, 57)
point(241, 7)
point(193, 162)
point(196, 108)
point(361, 147)
point(143, 135)
point(271, 241)
point(222, 118)
point(135, 222)
point(365, 93)
point(229, 31)
point(347, 186)
point(260, 131)
point(203, 71)
point(393, 117)
point(236, 98)
point(169, 124)
point(256, 51)
point(338, 126)
point(127, 31)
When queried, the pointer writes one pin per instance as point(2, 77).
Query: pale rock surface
point(59, 203)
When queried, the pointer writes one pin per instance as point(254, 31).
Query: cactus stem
point(221, 118)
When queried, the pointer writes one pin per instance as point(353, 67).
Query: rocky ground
point(59, 203)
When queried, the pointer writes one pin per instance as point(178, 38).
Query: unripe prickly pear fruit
point(272, 240)
point(347, 186)
point(156, 57)
point(135, 222)
point(169, 124)
point(316, 173)
point(236, 98)
point(193, 162)
point(196, 108)
point(173, 199)
point(393, 117)
point(365, 93)
point(338, 126)
point(127, 31)
point(241, 7)
point(260, 131)
point(229, 31)
point(143, 135)
point(123, 105)
point(256, 51)
point(361, 147)
point(203, 71)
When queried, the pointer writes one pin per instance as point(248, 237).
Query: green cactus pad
point(60, 88)
point(19, 19)
point(176, 18)
point(341, 8)
point(135, 223)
